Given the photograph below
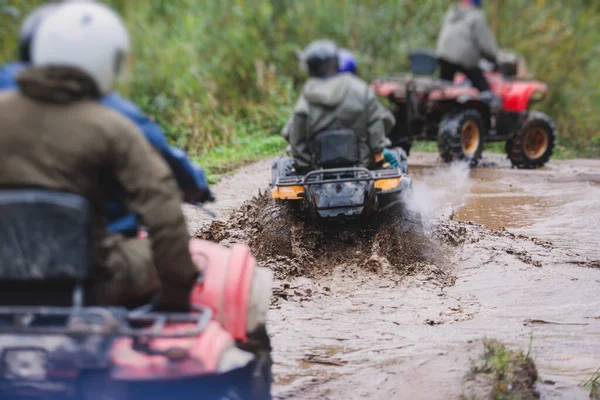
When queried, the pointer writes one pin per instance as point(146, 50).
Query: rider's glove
point(383, 164)
point(390, 158)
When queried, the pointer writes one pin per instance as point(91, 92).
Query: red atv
point(55, 346)
point(462, 120)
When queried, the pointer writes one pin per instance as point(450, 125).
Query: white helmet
point(83, 35)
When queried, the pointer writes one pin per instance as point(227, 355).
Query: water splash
point(439, 190)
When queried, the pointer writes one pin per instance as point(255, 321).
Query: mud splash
point(284, 241)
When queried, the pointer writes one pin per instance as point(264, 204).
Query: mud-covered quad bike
point(462, 120)
point(54, 346)
point(340, 188)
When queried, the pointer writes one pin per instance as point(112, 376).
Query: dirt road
point(364, 331)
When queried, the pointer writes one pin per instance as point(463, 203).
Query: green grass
point(510, 374)
point(593, 385)
point(241, 151)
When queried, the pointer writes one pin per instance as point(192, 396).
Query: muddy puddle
point(507, 254)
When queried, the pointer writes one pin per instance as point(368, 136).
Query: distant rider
point(464, 40)
point(189, 176)
point(333, 100)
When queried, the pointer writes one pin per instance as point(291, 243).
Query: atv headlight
point(387, 184)
point(287, 192)
point(537, 95)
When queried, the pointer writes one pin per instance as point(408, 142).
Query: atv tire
point(534, 143)
point(461, 137)
point(400, 215)
point(281, 167)
point(405, 144)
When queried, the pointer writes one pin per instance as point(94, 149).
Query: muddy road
point(508, 254)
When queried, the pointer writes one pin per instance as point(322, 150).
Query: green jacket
point(342, 101)
point(465, 37)
point(56, 135)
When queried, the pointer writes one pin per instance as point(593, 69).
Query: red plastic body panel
point(516, 94)
point(205, 352)
point(385, 88)
point(226, 285)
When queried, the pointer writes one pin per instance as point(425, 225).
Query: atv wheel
point(400, 215)
point(405, 144)
point(533, 144)
point(281, 167)
point(461, 138)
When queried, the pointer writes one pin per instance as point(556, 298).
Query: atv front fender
point(517, 96)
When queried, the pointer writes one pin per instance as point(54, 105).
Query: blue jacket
point(190, 177)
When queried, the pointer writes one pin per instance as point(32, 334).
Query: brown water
point(355, 332)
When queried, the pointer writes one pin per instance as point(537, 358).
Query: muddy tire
point(405, 144)
point(280, 168)
point(534, 143)
point(401, 217)
point(461, 137)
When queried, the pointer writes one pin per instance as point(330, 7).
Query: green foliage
point(593, 385)
point(243, 150)
point(209, 71)
point(511, 374)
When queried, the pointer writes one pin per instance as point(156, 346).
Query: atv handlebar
point(360, 174)
point(99, 321)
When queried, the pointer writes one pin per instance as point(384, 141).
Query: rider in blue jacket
point(190, 177)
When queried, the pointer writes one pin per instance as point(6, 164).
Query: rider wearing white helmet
point(56, 135)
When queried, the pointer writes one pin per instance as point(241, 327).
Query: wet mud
point(363, 312)
point(285, 241)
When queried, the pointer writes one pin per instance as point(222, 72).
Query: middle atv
point(340, 188)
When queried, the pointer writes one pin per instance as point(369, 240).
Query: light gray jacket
point(342, 101)
point(465, 37)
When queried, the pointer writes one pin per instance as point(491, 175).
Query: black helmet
point(321, 58)
point(28, 28)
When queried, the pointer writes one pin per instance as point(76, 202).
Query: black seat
point(423, 62)
point(337, 148)
point(45, 244)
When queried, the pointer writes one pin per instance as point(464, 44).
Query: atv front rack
point(98, 321)
point(320, 176)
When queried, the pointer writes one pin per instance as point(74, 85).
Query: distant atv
point(340, 188)
point(462, 120)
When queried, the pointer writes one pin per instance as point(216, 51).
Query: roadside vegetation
point(502, 374)
point(221, 76)
point(593, 385)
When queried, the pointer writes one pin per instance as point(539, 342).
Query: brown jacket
point(342, 101)
point(55, 135)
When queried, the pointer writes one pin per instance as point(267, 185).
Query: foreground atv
point(462, 120)
point(78, 352)
point(340, 188)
